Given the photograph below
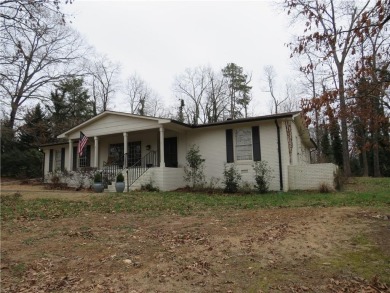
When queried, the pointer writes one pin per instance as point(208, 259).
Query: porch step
point(142, 180)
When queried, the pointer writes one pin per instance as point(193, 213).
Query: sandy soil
point(37, 190)
point(267, 250)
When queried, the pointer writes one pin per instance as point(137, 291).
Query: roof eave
point(304, 131)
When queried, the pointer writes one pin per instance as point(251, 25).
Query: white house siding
point(212, 144)
point(172, 178)
point(269, 150)
point(301, 154)
point(58, 148)
point(310, 176)
point(47, 157)
point(115, 124)
point(163, 178)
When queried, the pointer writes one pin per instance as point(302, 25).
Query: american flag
point(82, 143)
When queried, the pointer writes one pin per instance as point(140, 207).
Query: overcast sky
point(160, 39)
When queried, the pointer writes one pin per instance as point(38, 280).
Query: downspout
point(43, 164)
point(127, 176)
point(279, 155)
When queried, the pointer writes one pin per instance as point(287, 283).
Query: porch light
point(148, 147)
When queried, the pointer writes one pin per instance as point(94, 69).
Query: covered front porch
point(133, 154)
point(129, 144)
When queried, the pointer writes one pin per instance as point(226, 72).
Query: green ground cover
point(370, 192)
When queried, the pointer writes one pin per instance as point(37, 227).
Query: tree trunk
point(365, 163)
point(343, 119)
point(12, 117)
point(375, 148)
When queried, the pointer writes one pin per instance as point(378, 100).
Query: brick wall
point(309, 177)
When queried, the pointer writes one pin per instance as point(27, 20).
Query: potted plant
point(97, 182)
point(120, 183)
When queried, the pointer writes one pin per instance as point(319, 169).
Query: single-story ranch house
point(149, 149)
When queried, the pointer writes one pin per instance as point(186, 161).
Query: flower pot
point(119, 186)
point(98, 186)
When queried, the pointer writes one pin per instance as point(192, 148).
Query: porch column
point(96, 152)
point(162, 162)
point(70, 157)
point(125, 150)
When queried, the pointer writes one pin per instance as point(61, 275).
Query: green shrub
point(97, 178)
point(149, 187)
point(263, 176)
point(232, 179)
point(193, 170)
point(120, 177)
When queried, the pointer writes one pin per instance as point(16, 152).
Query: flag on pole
point(82, 143)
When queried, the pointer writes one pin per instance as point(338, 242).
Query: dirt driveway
point(263, 250)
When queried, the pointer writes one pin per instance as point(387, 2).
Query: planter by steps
point(97, 185)
point(120, 184)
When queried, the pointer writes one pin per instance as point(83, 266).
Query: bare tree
point(33, 57)
point(155, 107)
point(292, 102)
point(192, 86)
point(104, 81)
point(217, 99)
point(142, 99)
point(270, 75)
point(27, 12)
point(137, 93)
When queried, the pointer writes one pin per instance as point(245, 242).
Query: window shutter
point(229, 146)
point(256, 143)
point(88, 155)
point(51, 155)
point(62, 159)
point(74, 158)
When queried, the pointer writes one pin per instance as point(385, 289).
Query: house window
point(51, 156)
point(115, 154)
point(244, 144)
point(57, 160)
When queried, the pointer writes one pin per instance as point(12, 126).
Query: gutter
point(279, 155)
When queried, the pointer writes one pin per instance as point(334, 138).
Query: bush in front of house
point(120, 178)
point(76, 179)
point(194, 168)
point(232, 178)
point(97, 178)
point(263, 176)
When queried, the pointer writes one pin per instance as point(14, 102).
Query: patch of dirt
point(34, 190)
point(264, 250)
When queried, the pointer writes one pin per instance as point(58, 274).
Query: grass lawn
point(374, 192)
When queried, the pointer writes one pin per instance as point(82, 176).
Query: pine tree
point(325, 145)
point(239, 91)
point(180, 112)
point(70, 105)
point(35, 130)
point(337, 146)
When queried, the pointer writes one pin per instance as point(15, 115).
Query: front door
point(134, 153)
point(170, 151)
